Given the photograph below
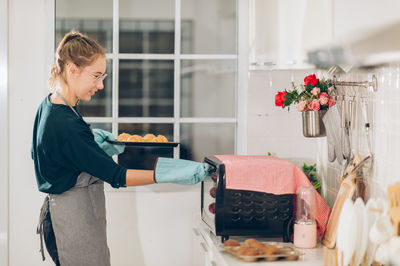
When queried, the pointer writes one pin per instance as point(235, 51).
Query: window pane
point(90, 17)
point(201, 140)
point(208, 88)
point(144, 157)
point(146, 88)
point(104, 126)
point(146, 26)
point(211, 24)
point(101, 103)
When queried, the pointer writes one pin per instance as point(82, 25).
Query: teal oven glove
point(178, 171)
point(100, 137)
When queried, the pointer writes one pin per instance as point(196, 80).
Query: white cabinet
point(282, 31)
point(199, 248)
point(205, 249)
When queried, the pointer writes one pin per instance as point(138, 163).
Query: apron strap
point(73, 110)
point(39, 229)
point(67, 103)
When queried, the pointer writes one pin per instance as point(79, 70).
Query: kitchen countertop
point(312, 257)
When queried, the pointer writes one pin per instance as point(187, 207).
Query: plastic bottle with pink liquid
point(305, 227)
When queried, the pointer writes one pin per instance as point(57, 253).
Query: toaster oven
point(229, 212)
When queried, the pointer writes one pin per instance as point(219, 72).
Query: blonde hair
point(77, 48)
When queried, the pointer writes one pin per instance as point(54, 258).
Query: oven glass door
point(209, 195)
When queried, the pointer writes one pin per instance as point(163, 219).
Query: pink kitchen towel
point(270, 174)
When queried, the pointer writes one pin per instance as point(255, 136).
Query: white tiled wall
point(270, 128)
point(387, 128)
point(273, 129)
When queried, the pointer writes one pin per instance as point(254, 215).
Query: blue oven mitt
point(100, 137)
point(178, 171)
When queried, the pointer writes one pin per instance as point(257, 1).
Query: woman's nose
point(100, 85)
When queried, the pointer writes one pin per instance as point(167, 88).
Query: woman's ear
point(72, 68)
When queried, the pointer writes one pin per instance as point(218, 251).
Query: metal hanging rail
point(366, 84)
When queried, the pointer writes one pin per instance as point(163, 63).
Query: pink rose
point(331, 102)
point(301, 106)
point(315, 105)
point(323, 94)
point(315, 91)
point(323, 98)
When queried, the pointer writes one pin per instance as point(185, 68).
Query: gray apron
point(78, 216)
point(79, 221)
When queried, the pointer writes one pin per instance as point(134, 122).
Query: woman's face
point(86, 81)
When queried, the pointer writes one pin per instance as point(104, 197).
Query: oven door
point(209, 191)
point(208, 197)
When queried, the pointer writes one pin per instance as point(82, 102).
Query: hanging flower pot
point(313, 126)
point(312, 99)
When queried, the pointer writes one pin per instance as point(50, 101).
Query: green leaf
point(309, 87)
point(311, 172)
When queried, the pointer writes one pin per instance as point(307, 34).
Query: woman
point(72, 162)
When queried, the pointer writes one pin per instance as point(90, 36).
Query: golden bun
point(231, 243)
point(135, 138)
point(270, 250)
point(149, 137)
point(123, 137)
point(257, 245)
point(160, 138)
point(250, 242)
point(242, 250)
point(251, 252)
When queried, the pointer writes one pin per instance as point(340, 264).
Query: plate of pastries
point(146, 140)
point(252, 250)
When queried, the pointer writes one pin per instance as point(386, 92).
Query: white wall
point(271, 128)
point(357, 15)
point(4, 132)
point(28, 51)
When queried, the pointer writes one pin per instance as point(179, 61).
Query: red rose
point(279, 98)
point(311, 79)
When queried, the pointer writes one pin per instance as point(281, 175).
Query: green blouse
point(63, 146)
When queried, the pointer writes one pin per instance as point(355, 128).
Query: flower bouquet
point(313, 99)
point(313, 95)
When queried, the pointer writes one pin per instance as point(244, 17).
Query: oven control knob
point(211, 208)
point(213, 192)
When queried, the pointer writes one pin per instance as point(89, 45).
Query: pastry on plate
point(251, 252)
point(270, 250)
point(250, 242)
point(231, 243)
point(242, 250)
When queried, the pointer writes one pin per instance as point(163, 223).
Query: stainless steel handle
point(343, 114)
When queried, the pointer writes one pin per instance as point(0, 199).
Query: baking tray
point(285, 253)
point(145, 144)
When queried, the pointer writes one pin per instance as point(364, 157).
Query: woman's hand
point(100, 136)
point(178, 171)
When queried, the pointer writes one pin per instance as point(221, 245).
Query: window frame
point(241, 81)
